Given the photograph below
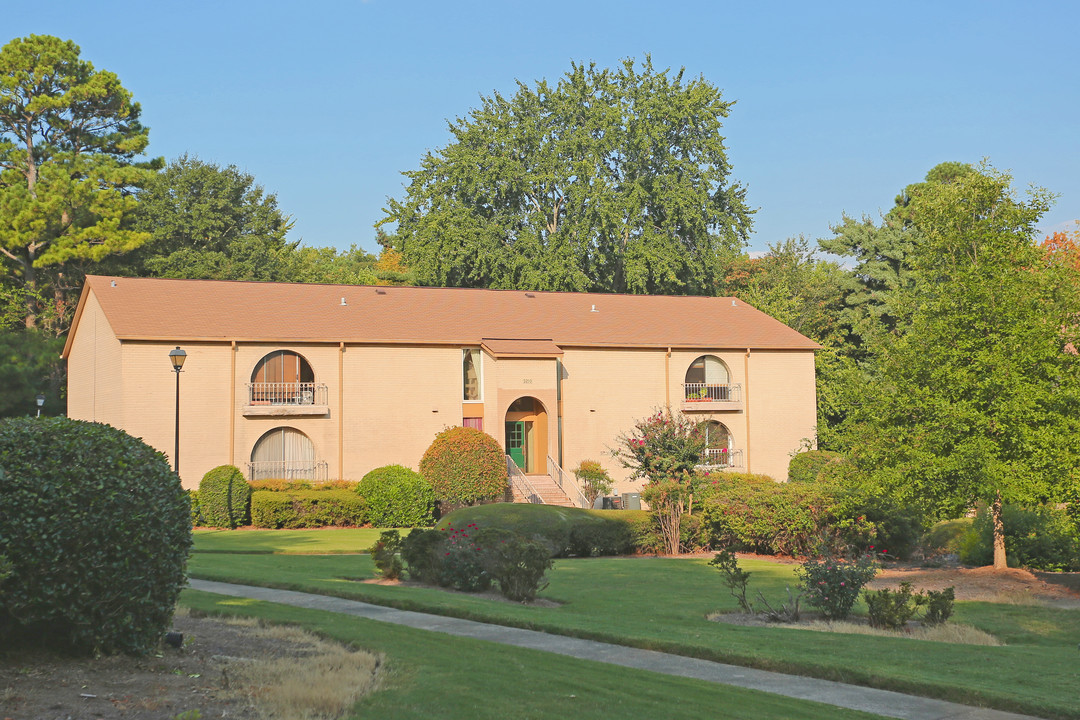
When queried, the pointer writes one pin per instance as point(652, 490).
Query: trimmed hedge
point(96, 530)
point(465, 466)
point(306, 509)
point(225, 497)
point(396, 496)
point(567, 532)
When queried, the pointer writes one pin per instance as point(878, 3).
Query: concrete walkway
point(878, 702)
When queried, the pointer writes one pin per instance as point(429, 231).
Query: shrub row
point(306, 509)
point(391, 496)
point(755, 513)
point(565, 532)
point(471, 559)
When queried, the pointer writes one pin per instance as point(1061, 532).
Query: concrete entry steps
point(879, 702)
point(548, 490)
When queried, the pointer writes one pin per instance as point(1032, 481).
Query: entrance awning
point(520, 348)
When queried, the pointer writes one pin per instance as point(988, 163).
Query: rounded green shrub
point(396, 496)
point(225, 497)
point(465, 466)
point(96, 529)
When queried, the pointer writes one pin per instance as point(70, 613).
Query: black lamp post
point(177, 358)
point(40, 400)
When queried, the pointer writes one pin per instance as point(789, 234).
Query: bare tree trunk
point(999, 534)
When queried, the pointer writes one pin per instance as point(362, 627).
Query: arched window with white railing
point(284, 377)
point(707, 380)
point(285, 453)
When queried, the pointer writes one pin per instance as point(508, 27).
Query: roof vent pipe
point(594, 309)
point(343, 303)
point(112, 283)
point(733, 302)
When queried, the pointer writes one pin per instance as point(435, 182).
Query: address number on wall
point(526, 381)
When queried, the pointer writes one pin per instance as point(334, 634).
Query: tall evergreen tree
point(69, 136)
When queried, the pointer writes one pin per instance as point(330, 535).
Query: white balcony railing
point(286, 393)
point(711, 392)
point(721, 458)
point(315, 470)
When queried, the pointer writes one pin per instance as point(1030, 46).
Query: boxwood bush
point(225, 497)
point(465, 466)
point(396, 496)
point(306, 508)
point(96, 530)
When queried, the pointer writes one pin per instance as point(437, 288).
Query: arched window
point(285, 453)
point(719, 448)
point(707, 380)
point(282, 378)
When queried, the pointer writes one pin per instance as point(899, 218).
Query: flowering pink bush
point(832, 584)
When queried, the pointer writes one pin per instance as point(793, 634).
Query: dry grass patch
point(318, 680)
point(947, 633)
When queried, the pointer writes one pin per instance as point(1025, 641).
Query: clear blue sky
point(839, 105)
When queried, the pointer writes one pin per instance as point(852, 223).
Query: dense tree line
point(948, 369)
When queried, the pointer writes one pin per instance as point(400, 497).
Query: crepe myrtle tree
point(664, 448)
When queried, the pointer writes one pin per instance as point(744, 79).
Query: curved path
point(879, 702)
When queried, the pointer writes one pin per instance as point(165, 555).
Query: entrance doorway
point(526, 438)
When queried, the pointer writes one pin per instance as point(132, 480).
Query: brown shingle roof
point(178, 310)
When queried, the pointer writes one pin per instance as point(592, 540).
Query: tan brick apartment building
point(330, 381)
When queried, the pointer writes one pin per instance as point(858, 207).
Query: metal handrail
point(286, 393)
point(521, 483)
point(561, 479)
point(712, 392)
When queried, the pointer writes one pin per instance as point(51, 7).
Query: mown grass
point(662, 603)
point(431, 675)
point(333, 541)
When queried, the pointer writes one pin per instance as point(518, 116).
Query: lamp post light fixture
point(40, 399)
point(177, 358)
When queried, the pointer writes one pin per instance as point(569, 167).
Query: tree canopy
point(607, 181)
point(69, 135)
point(210, 222)
point(979, 400)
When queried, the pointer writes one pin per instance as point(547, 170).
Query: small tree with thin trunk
point(664, 448)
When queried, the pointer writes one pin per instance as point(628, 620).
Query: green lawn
point(293, 542)
point(661, 604)
point(442, 677)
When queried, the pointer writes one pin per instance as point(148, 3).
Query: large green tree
point(608, 180)
point(979, 400)
point(881, 252)
point(210, 222)
point(69, 136)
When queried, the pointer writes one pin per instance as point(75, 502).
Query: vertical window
point(476, 423)
point(470, 371)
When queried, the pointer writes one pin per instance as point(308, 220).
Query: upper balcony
point(286, 399)
point(712, 397)
point(721, 459)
